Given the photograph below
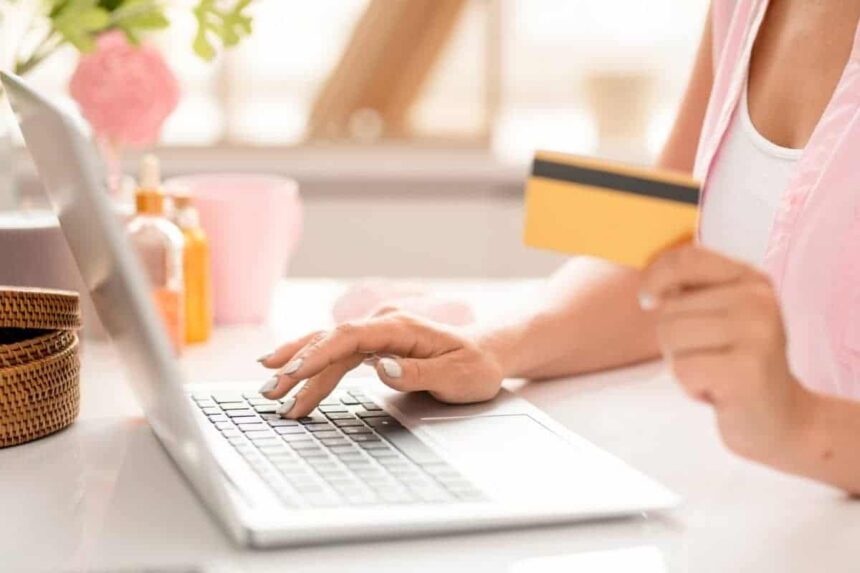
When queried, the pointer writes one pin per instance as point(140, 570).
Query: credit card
point(622, 213)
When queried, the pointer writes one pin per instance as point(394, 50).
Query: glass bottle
point(197, 270)
point(159, 244)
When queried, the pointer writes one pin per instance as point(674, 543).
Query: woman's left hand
point(720, 329)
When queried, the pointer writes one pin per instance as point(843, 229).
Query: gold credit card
point(618, 212)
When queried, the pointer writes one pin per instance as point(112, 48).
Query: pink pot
point(254, 223)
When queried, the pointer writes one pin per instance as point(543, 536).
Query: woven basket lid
point(40, 309)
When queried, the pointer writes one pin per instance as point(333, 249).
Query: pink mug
point(253, 223)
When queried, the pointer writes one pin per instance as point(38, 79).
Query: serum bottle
point(159, 244)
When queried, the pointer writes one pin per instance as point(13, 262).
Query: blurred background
point(410, 124)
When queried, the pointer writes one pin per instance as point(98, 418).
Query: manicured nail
point(391, 367)
point(292, 366)
point(647, 301)
point(265, 357)
point(269, 385)
point(285, 407)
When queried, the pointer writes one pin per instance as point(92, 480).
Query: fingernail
point(265, 357)
point(292, 366)
point(269, 385)
point(391, 368)
point(646, 301)
point(285, 407)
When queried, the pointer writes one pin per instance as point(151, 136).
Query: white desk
point(103, 495)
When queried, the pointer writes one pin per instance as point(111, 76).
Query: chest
point(797, 60)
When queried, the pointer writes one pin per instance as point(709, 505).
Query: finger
point(714, 300)
point(384, 310)
point(690, 266)
point(681, 334)
point(409, 374)
point(400, 336)
point(283, 353)
point(318, 387)
point(699, 374)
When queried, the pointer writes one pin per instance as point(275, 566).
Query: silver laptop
point(369, 462)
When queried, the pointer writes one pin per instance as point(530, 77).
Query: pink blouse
point(813, 253)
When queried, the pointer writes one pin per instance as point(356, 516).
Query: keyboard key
point(232, 433)
point(198, 396)
point(357, 430)
point(347, 423)
point(304, 445)
point(211, 411)
point(319, 427)
point(314, 419)
point(349, 401)
point(238, 413)
point(344, 450)
point(298, 437)
point(312, 453)
point(255, 436)
point(224, 425)
point(243, 420)
point(371, 407)
point(281, 423)
point(254, 428)
point(364, 438)
point(233, 405)
point(218, 418)
point(334, 442)
point(333, 409)
point(290, 430)
point(341, 415)
point(372, 414)
point(383, 453)
point(326, 435)
point(207, 403)
point(227, 397)
point(266, 408)
point(375, 445)
point(258, 400)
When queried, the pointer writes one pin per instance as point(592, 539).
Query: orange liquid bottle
point(197, 271)
point(159, 245)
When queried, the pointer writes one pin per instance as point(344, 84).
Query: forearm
point(826, 445)
point(587, 319)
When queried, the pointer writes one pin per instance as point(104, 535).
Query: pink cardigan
point(813, 255)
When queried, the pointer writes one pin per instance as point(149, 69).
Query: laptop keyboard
point(349, 451)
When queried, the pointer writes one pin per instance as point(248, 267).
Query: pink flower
point(124, 91)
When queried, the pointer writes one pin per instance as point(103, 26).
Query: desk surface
point(102, 494)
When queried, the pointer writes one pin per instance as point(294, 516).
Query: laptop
point(368, 462)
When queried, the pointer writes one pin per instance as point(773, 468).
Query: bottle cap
point(150, 172)
point(181, 200)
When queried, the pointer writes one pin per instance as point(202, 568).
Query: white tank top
point(745, 187)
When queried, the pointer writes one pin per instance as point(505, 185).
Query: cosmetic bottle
point(159, 244)
point(197, 269)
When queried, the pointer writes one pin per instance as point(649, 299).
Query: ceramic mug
point(254, 223)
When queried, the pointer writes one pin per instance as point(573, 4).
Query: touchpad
point(506, 453)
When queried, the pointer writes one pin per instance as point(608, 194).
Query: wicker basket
point(39, 363)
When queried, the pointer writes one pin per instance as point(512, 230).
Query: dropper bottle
point(159, 245)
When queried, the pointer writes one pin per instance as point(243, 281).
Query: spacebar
point(406, 442)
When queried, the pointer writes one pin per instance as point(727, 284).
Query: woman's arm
point(588, 318)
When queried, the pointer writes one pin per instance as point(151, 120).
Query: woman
point(760, 319)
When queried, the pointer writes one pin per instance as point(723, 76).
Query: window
point(580, 75)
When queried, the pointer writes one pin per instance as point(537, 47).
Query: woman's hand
point(720, 329)
point(409, 354)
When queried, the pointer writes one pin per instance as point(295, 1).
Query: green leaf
point(224, 25)
point(79, 21)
